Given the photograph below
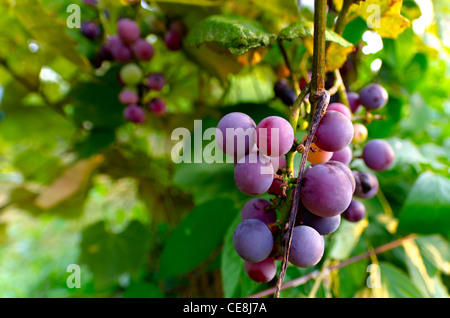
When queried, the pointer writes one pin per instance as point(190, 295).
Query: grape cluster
point(329, 187)
point(129, 48)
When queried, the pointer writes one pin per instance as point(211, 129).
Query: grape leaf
point(237, 33)
point(197, 236)
point(427, 206)
point(396, 283)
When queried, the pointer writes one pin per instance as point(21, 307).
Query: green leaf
point(235, 281)
point(47, 32)
point(435, 251)
point(197, 236)
point(427, 206)
point(396, 283)
point(346, 238)
point(142, 290)
point(110, 255)
point(237, 33)
point(303, 29)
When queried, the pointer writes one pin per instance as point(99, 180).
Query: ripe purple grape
point(366, 184)
point(236, 134)
point(134, 113)
point(142, 50)
point(355, 212)
point(274, 136)
point(307, 247)
point(128, 31)
point(92, 3)
point(253, 240)
point(253, 174)
point(90, 30)
point(341, 108)
point(261, 272)
point(128, 97)
point(378, 155)
point(119, 50)
point(173, 41)
point(326, 190)
point(353, 100)
point(344, 155)
point(334, 132)
point(156, 81)
point(345, 169)
point(158, 106)
point(257, 209)
point(373, 96)
point(322, 225)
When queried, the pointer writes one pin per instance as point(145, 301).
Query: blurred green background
point(79, 185)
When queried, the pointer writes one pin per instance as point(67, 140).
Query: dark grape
point(173, 41)
point(253, 174)
point(355, 212)
point(335, 131)
point(92, 3)
point(307, 246)
point(345, 169)
point(261, 272)
point(284, 92)
point(322, 225)
point(156, 81)
point(90, 30)
point(252, 240)
point(119, 50)
point(274, 136)
point(340, 108)
point(344, 155)
point(366, 184)
point(178, 27)
point(128, 31)
point(378, 155)
point(142, 50)
point(353, 100)
point(236, 134)
point(134, 113)
point(373, 96)
point(158, 106)
point(257, 209)
point(326, 190)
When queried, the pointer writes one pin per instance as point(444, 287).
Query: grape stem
point(327, 270)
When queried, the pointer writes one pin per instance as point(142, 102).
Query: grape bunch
point(330, 190)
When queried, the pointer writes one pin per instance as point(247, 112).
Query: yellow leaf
point(336, 56)
point(69, 183)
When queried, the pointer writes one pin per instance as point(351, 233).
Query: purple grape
point(335, 131)
point(326, 190)
point(366, 184)
point(119, 51)
point(253, 240)
point(353, 100)
point(127, 97)
point(236, 134)
point(158, 106)
point(90, 30)
point(284, 92)
point(307, 247)
point(92, 3)
point(274, 136)
point(322, 225)
point(341, 108)
point(256, 209)
point(156, 81)
point(142, 50)
point(178, 27)
point(128, 31)
point(134, 113)
point(344, 168)
point(173, 41)
point(373, 96)
point(275, 187)
point(261, 272)
point(253, 174)
point(355, 212)
point(378, 155)
point(344, 155)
